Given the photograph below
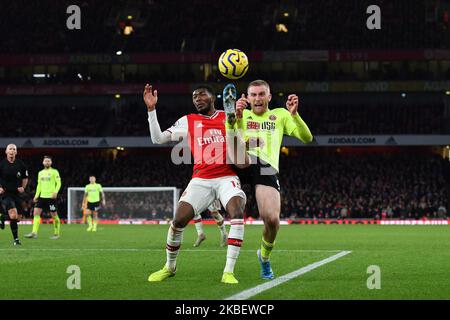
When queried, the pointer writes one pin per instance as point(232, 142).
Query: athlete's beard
point(207, 110)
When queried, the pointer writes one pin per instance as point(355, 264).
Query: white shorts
point(215, 206)
point(201, 193)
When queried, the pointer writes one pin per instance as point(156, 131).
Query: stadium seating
point(318, 185)
point(131, 119)
point(405, 24)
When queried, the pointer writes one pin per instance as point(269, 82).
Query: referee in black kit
point(13, 181)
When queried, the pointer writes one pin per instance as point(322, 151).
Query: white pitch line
point(273, 283)
point(144, 250)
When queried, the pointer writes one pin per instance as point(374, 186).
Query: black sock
point(14, 228)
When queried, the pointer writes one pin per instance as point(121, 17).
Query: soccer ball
point(233, 64)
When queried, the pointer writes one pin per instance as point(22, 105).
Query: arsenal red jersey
point(206, 137)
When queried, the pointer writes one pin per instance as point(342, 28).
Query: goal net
point(127, 203)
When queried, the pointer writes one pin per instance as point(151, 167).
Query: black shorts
point(47, 204)
point(93, 206)
point(11, 201)
point(259, 172)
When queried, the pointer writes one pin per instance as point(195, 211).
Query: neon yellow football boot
point(161, 275)
point(228, 277)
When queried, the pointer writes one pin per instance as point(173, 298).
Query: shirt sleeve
point(179, 130)
point(156, 135)
point(294, 126)
point(100, 188)
point(24, 171)
point(38, 188)
point(289, 124)
point(58, 181)
point(241, 124)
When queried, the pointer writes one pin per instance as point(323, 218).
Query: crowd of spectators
point(192, 73)
point(149, 170)
point(53, 121)
point(365, 186)
point(315, 184)
point(39, 26)
point(383, 118)
point(131, 119)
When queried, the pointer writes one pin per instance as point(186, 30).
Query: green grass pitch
point(115, 263)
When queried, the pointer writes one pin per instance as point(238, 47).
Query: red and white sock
point(235, 238)
point(174, 239)
point(199, 225)
point(220, 223)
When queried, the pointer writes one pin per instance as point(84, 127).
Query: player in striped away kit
point(213, 178)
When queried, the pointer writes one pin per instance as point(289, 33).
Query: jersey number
point(236, 184)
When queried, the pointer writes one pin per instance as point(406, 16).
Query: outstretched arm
point(301, 130)
point(150, 99)
point(157, 136)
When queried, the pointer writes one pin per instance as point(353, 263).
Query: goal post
point(127, 203)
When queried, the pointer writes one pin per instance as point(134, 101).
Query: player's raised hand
point(150, 97)
point(241, 104)
point(292, 104)
point(2, 190)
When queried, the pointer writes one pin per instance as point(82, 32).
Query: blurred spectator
point(442, 212)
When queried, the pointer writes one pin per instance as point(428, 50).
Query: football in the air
point(233, 64)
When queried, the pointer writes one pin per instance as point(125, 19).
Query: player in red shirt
point(213, 177)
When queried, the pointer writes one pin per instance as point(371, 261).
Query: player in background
point(84, 212)
point(49, 184)
point(13, 181)
point(93, 194)
point(212, 177)
point(266, 128)
point(213, 209)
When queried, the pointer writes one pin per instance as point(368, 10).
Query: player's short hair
point(207, 88)
point(92, 175)
point(256, 83)
point(48, 157)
